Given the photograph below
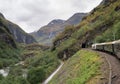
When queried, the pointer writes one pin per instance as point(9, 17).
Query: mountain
point(9, 52)
point(6, 36)
point(75, 19)
point(18, 34)
point(10, 34)
point(50, 27)
point(84, 66)
point(100, 25)
point(14, 57)
point(47, 33)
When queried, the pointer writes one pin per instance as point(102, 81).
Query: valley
point(64, 51)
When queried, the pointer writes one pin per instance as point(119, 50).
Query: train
point(110, 47)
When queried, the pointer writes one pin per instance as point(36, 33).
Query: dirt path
point(115, 67)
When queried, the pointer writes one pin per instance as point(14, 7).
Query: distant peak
point(56, 21)
point(76, 18)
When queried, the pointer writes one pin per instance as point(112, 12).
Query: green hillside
point(36, 59)
point(81, 68)
point(9, 52)
point(101, 25)
point(39, 60)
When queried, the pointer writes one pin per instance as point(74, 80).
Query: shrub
point(36, 75)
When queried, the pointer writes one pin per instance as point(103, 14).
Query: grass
point(79, 69)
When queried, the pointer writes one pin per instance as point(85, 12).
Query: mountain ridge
point(47, 33)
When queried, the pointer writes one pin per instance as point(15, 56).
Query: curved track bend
point(114, 67)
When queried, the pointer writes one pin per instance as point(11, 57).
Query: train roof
point(108, 43)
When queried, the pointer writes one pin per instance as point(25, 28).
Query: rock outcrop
point(6, 36)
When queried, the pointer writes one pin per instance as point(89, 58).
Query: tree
point(36, 75)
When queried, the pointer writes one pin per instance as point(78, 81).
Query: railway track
point(114, 68)
point(110, 71)
point(113, 58)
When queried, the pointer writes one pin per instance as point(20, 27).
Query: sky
point(31, 15)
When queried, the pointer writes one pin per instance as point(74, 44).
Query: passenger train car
point(112, 47)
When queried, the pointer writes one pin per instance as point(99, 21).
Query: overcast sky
point(30, 15)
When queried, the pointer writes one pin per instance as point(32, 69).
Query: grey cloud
point(32, 14)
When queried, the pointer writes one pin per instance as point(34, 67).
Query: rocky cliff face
point(10, 53)
point(5, 35)
point(47, 33)
point(18, 34)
